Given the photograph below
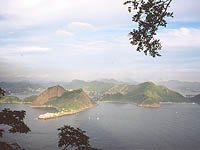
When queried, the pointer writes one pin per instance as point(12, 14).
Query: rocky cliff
point(54, 91)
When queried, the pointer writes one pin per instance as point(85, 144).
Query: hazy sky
point(61, 40)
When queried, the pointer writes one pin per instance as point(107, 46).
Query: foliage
point(14, 119)
point(145, 93)
point(6, 146)
point(149, 15)
point(30, 98)
point(10, 99)
point(70, 100)
point(14, 99)
point(73, 137)
point(2, 93)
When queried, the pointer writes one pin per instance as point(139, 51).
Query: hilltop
point(66, 102)
point(47, 94)
point(145, 94)
point(70, 100)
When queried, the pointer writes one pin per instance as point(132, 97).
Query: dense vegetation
point(145, 93)
point(30, 99)
point(149, 15)
point(15, 120)
point(10, 99)
point(73, 137)
point(14, 99)
point(70, 100)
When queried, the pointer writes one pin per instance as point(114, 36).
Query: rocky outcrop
point(47, 94)
point(66, 102)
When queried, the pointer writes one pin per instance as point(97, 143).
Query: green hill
point(145, 94)
point(10, 99)
point(47, 94)
point(30, 99)
point(14, 99)
point(70, 100)
point(62, 99)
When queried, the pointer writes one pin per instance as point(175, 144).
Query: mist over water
point(112, 126)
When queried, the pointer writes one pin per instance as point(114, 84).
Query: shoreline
point(119, 102)
point(164, 103)
point(150, 106)
point(138, 105)
point(15, 102)
point(43, 106)
point(62, 113)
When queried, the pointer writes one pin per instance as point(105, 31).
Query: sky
point(62, 40)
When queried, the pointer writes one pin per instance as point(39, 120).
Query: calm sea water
point(112, 126)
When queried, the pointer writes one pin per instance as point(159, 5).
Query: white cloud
point(186, 11)
point(32, 49)
point(22, 13)
point(8, 49)
point(182, 37)
point(80, 26)
point(11, 32)
point(64, 33)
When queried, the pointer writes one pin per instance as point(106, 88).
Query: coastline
point(119, 102)
point(15, 102)
point(138, 105)
point(43, 106)
point(177, 103)
point(62, 113)
point(151, 106)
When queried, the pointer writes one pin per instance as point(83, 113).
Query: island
point(81, 95)
point(146, 94)
point(65, 101)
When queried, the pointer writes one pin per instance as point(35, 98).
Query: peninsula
point(66, 102)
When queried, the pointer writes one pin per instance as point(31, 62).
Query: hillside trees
point(73, 137)
point(15, 120)
point(2, 92)
point(149, 16)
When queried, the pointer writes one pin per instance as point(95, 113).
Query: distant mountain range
point(21, 87)
point(98, 89)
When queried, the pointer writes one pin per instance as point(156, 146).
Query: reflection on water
point(113, 126)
